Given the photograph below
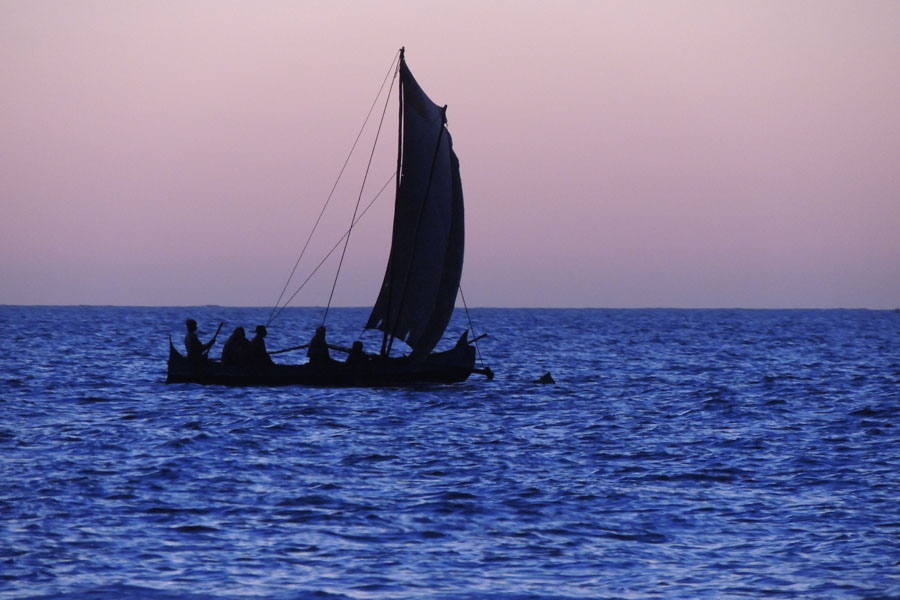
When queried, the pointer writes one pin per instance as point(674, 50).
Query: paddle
point(291, 349)
point(213, 340)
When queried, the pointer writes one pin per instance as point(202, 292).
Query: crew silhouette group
point(239, 352)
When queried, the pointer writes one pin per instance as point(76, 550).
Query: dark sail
point(425, 264)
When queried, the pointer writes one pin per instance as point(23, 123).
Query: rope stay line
point(471, 327)
point(333, 248)
point(362, 188)
point(277, 308)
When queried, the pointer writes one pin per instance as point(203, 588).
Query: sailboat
point(422, 277)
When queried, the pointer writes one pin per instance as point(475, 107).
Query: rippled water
point(681, 454)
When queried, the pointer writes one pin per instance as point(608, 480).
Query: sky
point(689, 154)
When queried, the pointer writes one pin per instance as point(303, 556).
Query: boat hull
point(451, 366)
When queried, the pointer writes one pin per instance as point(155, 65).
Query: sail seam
point(412, 256)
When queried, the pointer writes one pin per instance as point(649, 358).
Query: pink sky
point(614, 154)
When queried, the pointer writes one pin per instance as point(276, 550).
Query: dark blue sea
point(680, 454)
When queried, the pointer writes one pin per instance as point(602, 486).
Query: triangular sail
point(425, 264)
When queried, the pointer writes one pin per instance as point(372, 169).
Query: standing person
point(258, 353)
point(197, 350)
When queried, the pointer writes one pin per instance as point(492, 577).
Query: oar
point(213, 340)
point(291, 349)
point(475, 339)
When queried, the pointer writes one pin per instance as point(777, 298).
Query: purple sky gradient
point(614, 154)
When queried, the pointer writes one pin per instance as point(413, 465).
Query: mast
point(385, 344)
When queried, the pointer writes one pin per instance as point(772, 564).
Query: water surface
point(681, 454)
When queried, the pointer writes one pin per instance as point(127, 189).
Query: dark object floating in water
point(545, 378)
point(420, 285)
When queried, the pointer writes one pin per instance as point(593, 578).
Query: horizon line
point(485, 307)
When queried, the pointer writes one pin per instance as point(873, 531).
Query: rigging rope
point(276, 309)
point(362, 187)
point(471, 327)
point(333, 248)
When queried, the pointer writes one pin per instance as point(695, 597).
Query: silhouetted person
point(259, 356)
point(196, 350)
point(318, 347)
point(236, 352)
point(356, 356)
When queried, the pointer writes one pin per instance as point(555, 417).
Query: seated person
point(356, 355)
point(318, 347)
point(236, 352)
point(196, 350)
point(258, 354)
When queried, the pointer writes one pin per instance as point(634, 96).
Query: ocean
point(680, 454)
